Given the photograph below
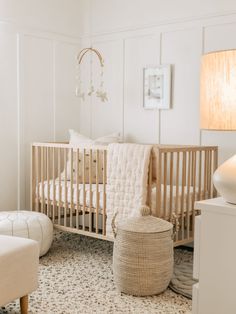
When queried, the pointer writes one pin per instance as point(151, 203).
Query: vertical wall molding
point(203, 51)
point(19, 127)
point(54, 87)
point(159, 111)
point(123, 91)
point(92, 96)
point(21, 122)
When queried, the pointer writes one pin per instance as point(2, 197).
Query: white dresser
point(215, 258)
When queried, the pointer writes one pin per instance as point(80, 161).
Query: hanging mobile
point(78, 88)
point(100, 93)
point(91, 87)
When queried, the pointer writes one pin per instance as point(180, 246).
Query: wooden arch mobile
point(100, 93)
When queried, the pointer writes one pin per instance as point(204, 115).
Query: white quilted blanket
point(127, 178)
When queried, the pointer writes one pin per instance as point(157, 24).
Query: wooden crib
point(69, 185)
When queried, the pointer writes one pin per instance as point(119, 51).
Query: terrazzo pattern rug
point(75, 277)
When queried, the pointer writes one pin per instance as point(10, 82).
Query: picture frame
point(157, 87)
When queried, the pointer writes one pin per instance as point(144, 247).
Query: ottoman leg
point(24, 304)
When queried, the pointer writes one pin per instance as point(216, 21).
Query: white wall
point(115, 15)
point(38, 44)
point(133, 34)
point(56, 16)
point(39, 41)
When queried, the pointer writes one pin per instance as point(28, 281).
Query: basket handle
point(113, 225)
point(175, 222)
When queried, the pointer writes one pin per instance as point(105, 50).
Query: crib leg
point(92, 221)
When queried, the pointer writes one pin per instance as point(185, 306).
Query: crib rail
point(183, 175)
point(69, 186)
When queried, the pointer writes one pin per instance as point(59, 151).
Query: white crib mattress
point(163, 213)
point(176, 200)
point(74, 193)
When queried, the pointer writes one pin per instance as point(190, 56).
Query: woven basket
point(143, 254)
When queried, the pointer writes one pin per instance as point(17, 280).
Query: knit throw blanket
point(127, 181)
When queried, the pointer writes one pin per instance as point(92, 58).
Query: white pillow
point(108, 139)
point(79, 139)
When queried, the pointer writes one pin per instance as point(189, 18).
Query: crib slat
point(188, 193)
point(194, 188)
point(32, 179)
point(171, 185)
point(165, 185)
point(42, 179)
point(53, 184)
point(177, 192)
point(84, 191)
point(90, 189)
point(77, 189)
point(97, 188)
point(200, 176)
point(210, 174)
point(183, 193)
point(205, 172)
point(71, 208)
point(59, 174)
point(149, 196)
point(215, 165)
point(65, 188)
point(158, 183)
point(37, 176)
point(104, 192)
point(48, 185)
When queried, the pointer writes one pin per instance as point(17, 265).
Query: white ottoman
point(28, 224)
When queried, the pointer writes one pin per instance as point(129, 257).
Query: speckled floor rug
point(75, 277)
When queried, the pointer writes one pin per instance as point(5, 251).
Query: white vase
point(224, 180)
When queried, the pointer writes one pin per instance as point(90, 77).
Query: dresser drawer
point(197, 233)
point(195, 298)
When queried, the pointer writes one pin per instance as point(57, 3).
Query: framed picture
point(157, 87)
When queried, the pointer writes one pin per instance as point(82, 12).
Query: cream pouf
point(143, 254)
point(28, 224)
point(19, 259)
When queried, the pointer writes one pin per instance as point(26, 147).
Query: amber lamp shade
point(218, 110)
